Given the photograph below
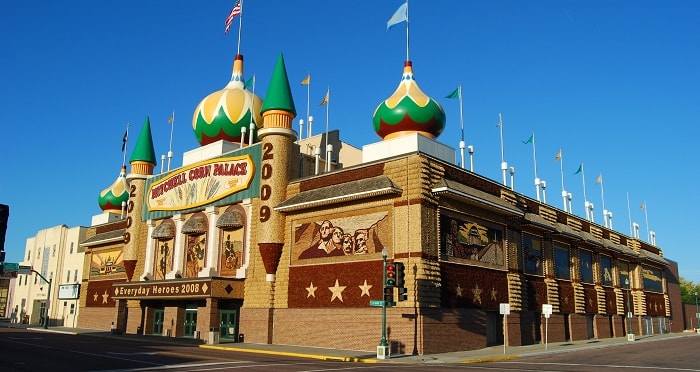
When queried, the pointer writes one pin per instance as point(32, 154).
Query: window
point(51, 276)
point(35, 276)
point(562, 265)
point(71, 247)
point(72, 309)
point(29, 255)
point(586, 259)
point(624, 268)
point(53, 252)
point(67, 276)
point(75, 275)
point(532, 254)
point(606, 270)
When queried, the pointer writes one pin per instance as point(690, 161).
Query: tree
point(688, 288)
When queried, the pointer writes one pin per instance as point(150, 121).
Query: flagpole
point(586, 205)
point(308, 100)
point(602, 198)
point(563, 189)
point(252, 123)
point(407, 44)
point(534, 159)
point(504, 165)
point(462, 144)
point(629, 213)
point(329, 149)
point(646, 217)
point(240, 27)
point(170, 148)
point(126, 140)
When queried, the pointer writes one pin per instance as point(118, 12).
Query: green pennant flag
point(250, 82)
point(529, 140)
point(580, 169)
point(454, 94)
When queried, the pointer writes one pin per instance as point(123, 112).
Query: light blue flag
point(401, 15)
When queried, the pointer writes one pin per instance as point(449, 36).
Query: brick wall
point(97, 318)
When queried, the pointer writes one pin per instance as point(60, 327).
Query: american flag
point(234, 12)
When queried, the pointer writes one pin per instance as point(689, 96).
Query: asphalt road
point(26, 350)
point(674, 354)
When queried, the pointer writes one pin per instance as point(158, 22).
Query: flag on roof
point(643, 206)
point(306, 80)
point(401, 15)
point(171, 118)
point(580, 169)
point(325, 99)
point(599, 179)
point(529, 140)
point(558, 156)
point(234, 12)
point(250, 82)
point(454, 94)
point(126, 135)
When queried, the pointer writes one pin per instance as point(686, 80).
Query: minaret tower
point(277, 137)
point(143, 161)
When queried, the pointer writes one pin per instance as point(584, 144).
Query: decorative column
point(148, 262)
point(178, 249)
point(212, 252)
point(142, 163)
point(277, 139)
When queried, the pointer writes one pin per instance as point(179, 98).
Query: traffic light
point(400, 274)
point(388, 294)
point(390, 275)
point(403, 294)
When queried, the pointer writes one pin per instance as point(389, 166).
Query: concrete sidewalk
point(489, 354)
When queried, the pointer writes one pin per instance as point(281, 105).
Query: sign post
point(505, 310)
point(546, 311)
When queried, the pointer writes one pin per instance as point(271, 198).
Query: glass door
point(227, 324)
point(158, 321)
point(190, 322)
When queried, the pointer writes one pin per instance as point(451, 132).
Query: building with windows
point(272, 238)
point(55, 255)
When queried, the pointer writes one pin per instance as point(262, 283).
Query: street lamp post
point(697, 314)
point(383, 348)
point(630, 333)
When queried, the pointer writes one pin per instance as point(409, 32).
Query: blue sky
point(614, 84)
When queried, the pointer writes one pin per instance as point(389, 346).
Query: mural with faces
point(355, 236)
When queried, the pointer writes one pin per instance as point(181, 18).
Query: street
point(31, 350)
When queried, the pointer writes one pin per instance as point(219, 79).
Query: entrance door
point(227, 324)
point(190, 322)
point(158, 321)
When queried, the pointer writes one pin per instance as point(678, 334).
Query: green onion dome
point(408, 111)
point(111, 198)
point(222, 114)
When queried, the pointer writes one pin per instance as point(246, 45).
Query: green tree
point(688, 291)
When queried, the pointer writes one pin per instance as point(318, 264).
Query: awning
point(535, 219)
point(231, 220)
point(474, 197)
point(197, 224)
point(654, 257)
point(104, 238)
point(567, 231)
point(164, 231)
point(340, 193)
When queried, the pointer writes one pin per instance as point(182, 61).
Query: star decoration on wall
point(95, 296)
point(590, 301)
point(105, 297)
point(311, 290)
point(365, 289)
point(458, 291)
point(476, 291)
point(337, 291)
point(565, 300)
point(494, 294)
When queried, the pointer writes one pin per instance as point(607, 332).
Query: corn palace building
point(265, 237)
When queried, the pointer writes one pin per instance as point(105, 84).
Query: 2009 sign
point(266, 174)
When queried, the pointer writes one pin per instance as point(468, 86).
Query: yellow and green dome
point(111, 198)
point(408, 111)
point(222, 114)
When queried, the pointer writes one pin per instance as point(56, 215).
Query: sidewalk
point(489, 354)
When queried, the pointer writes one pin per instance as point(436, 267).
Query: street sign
point(505, 309)
point(546, 310)
point(25, 270)
point(376, 302)
point(10, 266)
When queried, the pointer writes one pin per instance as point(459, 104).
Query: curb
point(52, 331)
point(489, 359)
point(292, 354)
